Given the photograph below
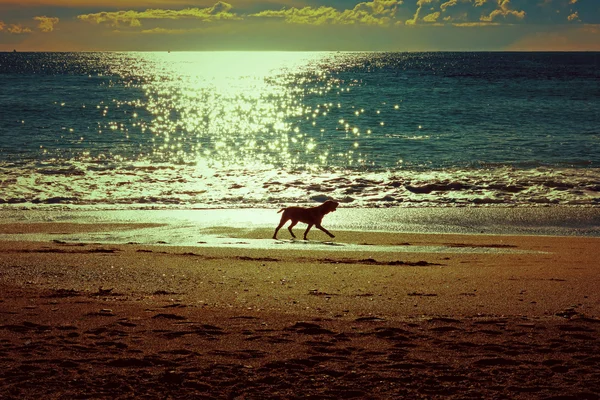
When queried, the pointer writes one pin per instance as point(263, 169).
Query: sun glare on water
point(230, 108)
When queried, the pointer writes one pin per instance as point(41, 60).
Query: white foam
point(194, 186)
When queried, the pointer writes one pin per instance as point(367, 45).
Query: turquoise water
point(254, 129)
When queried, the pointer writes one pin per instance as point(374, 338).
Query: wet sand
point(482, 316)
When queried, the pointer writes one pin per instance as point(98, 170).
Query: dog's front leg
point(325, 230)
point(281, 223)
point(277, 230)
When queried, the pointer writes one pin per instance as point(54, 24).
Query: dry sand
point(492, 317)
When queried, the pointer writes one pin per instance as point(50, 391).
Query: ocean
point(181, 131)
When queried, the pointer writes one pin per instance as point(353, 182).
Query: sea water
point(264, 129)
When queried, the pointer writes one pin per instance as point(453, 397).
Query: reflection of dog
point(311, 216)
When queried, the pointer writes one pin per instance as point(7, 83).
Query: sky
point(300, 25)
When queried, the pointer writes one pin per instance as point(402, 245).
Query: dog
point(311, 216)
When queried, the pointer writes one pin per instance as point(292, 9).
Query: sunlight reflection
point(229, 107)
point(269, 109)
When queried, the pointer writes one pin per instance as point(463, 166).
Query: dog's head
point(330, 206)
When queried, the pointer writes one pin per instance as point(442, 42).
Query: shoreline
point(186, 227)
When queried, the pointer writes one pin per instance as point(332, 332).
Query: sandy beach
point(400, 315)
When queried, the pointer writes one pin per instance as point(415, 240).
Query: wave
point(189, 186)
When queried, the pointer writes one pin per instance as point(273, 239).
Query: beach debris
point(103, 250)
point(372, 261)
point(169, 316)
point(264, 259)
point(370, 319)
point(316, 292)
point(64, 293)
point(422, 294)
point(103, 292)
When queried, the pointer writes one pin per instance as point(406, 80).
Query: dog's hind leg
point(306, 231)
point(325, 230)
point(294, 222)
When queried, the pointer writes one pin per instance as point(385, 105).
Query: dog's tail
point(280, 210)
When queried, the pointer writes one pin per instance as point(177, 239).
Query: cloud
point(46, 23)
point(15, 29)
point(376, 12)
point(415, 18)
point(574, 17)
point(306, 15)
point(475, 24)
point(542, 12)
point(462, 11)
point(433, 17)
point(382, 13)
point(163, 31)
point(219, 11)
point(446, 5)
point(503, 11)
point(18, 29)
